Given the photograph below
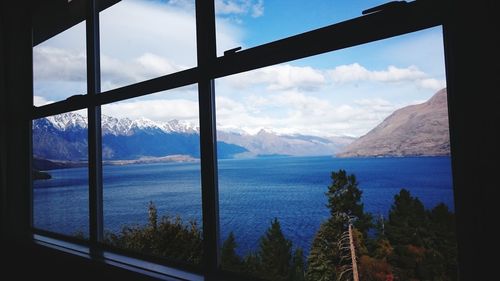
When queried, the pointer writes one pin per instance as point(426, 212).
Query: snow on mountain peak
point(121, 126)
point(67, 121)
point(176, 126)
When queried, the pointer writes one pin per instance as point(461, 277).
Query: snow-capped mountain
point(68, 121)
point(121, 126)
point(64, 137)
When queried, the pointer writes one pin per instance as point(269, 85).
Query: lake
point(251, 193)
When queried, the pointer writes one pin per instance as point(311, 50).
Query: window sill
point(158, 271)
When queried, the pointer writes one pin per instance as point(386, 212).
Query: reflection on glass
point(141, 40)
point(60, 174)
point(152, 192)
point(344, 163)
point(60, 67)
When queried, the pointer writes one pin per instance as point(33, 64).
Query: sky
point(342, 93)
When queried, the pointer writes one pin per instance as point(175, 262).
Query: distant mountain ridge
point(415, 130)
point(269, 143)
point(63, 137)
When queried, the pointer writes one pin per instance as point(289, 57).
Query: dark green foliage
point(275, 253)
point(344, 199)
point(273, 260)
point(170, 238)
point(298, 267)
point(229, 259)
point(407, 220)
point(413, 244)
point(323, 258)
point(344, 202)
point(424, 242)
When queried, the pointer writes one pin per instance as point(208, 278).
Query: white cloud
point(353, 73)
point(432, 84)
point(254, 8)
point(157, 110)
point(293, 112)
point(119, 73)
point(50, 63)
point(356, 72)
point(280, 77)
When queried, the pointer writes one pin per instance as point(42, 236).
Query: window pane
point(60, 174)
point(60, 66)
point(249, 23)
point(377, 112)
point(141, 40)
point(152, 189)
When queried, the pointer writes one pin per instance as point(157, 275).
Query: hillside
point(415, 130)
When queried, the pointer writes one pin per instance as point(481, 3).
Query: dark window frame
point(381, 24)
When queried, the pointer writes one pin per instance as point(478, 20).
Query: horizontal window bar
point(380, 25)
point(167, 82)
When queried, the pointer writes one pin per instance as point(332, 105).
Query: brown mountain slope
point(415, 130)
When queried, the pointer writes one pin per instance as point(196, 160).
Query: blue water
point(251, 193)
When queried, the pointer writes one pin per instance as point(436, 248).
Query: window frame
point(381, 24)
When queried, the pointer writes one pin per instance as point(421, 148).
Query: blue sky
point(346, 92)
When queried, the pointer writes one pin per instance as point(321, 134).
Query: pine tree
point(323, 258)
point(407, 220)
point(344, 202)
point(275, 254)
point(297, 270)
point(229, 259)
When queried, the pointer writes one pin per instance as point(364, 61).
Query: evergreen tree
point(444, 241)
point(275, 254)
point(229, 259)
point(344, 202)
point(424, 242)
point(251, 264)
point(170, 238)
point(297, 270)
point(323, 258)
point(407, 220)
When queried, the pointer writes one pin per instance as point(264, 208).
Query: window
point(60, 174)
point(370, 110)
point(222, 165)
point(151, 175)
point(60, 67)
point(141, 40)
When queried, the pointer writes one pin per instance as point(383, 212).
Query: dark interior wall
point(16, 95)
point(472, 66)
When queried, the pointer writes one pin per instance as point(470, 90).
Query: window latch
point(387, 6)
point(76, 98)
point(231, 51)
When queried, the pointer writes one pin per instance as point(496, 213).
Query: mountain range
point(63, 138)
point(415, 130)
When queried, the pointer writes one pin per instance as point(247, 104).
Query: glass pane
point(152, 189)
point(60, 174)
point(141, 40)
point(60, 66)
point(343, 150)
point(249, 23)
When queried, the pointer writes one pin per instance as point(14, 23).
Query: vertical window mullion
point(206, 51)
point(94, 125)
